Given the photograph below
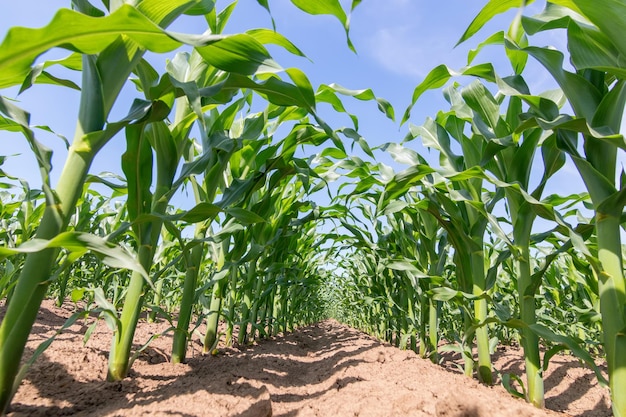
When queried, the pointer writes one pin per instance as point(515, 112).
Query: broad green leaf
point(608, 15)
point(245, 216)
point(137, 166)
point(406, 179)
point(330, 7)
point(240, 53)
point(402, 265)
point(202, 7)
point(79, 242)
point(273, 89)
point(401, 154)
point(305, 89)
point(167, 157)
point(583, 96)
point(577, 125)
point(164, 13)
point(267, 36)
point(576, 349)
point(440, 75)
point(481, 101)
point(73, 30)
point(554, 16)
point(90, 35)
point(395, 207)
point(610, 111)
point(590, 49)
point(488, 12)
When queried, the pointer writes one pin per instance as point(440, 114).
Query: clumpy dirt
point(326, 369)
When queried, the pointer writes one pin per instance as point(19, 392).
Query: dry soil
point(326, 369)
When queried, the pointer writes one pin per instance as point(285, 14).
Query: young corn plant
point(596, 92)
point(510, 158)
point(463, 206)
point(604, 110)
point(101, 41)
point(108, 45)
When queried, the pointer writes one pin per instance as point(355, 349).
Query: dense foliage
point(431, 257)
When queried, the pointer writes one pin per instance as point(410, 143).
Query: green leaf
point(402, 265)
point(201, 212)
point(488, 12)
point(245, 216)
point(402, 155)
point(137, 166)
point(79, 242)
point(84, 6)
point(91, 35)
point(440, 75)
point(481, 101)
point(305, 90)
point(554, 16)
point(202, 8)
point(365, 95)
point(330, 7)
point(267, 36)
point(240, 54)
point(608, 15)
point(582, 95)
point(578, 351)
point(590, 49)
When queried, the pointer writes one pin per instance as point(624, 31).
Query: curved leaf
point(491, 9)
point(91, 35)
point(79, 242)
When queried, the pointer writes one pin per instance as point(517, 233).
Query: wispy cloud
point(409, 37)
point(403, 50)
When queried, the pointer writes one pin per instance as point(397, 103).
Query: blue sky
point(397, 42)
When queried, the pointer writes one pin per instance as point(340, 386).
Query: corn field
point(294, 219)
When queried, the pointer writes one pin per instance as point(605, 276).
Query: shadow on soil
point(287, 360)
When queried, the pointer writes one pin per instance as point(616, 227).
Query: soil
point(326, 369)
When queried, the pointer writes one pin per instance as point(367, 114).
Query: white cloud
point(403, 50)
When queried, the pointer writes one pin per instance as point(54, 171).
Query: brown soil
point(326, 369)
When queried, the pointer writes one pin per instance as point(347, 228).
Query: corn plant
point(596, 93)
point(108, 45)
point(103, 77)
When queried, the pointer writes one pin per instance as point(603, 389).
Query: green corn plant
point(510, 159)
point(464, 207)
point(137, 165)
point(21, 211)
point(217, 296)
point(196, 80)
point(512, 165)
point(103, 76)
point(432, 248)
point(597, 96)
point(109, 48)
